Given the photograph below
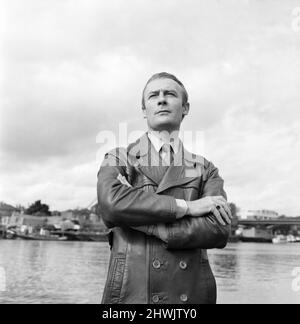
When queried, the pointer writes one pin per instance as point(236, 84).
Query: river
point(75, 272)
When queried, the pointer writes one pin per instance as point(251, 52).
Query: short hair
point(165, 75)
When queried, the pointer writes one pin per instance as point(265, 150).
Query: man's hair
point(165, 75)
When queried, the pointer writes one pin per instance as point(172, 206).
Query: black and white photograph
point(149, 154)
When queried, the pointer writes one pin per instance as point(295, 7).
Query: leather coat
point(143, 269)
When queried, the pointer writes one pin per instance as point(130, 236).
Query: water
point(75, 272)
point(53, 272)
point(257, 273)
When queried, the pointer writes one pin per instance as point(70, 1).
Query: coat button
point(155, 299)
point(156, 264)
point(182, 265)
point(184, 298)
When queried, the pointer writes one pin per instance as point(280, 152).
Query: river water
point(75, 272)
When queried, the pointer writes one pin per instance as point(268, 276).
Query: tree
point(234, 209)
point(38, 209)
point(234, 224)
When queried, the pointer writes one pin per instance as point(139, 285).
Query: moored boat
point(83, 236)
point(41, 237)
point(86, 236)
point(255, 239)
point(279, 239)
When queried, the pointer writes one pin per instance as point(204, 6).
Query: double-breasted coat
point(144, 269)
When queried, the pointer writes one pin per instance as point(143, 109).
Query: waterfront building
point(257, 234)
point(6, 209)
point(262, 214)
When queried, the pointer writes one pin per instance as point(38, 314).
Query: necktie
point(167, 154)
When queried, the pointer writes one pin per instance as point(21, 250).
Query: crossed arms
point(154, 214)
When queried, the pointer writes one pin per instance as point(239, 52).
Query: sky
point(71, 70)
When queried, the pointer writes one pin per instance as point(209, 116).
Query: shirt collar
point(157, 142)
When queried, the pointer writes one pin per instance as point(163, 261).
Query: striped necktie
point(167, 154)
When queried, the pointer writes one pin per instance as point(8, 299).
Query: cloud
point(259, 161)
point(75, 68)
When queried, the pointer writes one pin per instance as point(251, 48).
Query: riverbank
point(58, 236)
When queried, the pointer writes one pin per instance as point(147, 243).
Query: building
point(257, 233)
point(55, 221)
point(4, 220)
point(6, 210)
point(18, 219)
point(79, 219)
point(263, 214)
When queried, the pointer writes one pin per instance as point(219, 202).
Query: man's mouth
point(163, 111)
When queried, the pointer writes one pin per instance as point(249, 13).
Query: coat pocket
point(115, 280)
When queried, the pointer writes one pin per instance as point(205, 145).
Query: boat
point(86, 236)
point(255, 239)
point(10, 234)
point(41, 237)
point(279, 239)
point(83, 236)
point(286, 239)
point(291, 239)
point(256, 235)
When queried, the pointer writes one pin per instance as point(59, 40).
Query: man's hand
point(211, 204)
point(123, 180)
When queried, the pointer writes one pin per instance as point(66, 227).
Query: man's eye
point(151, 96)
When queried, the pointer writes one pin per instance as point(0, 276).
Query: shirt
point(157, 142)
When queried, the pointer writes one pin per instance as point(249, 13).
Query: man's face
point(163, 105)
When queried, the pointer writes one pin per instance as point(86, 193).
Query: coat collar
point(158, 142)
point(186, 167)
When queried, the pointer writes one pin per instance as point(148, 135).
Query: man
point(165, 207)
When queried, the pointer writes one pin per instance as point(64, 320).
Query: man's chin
point(164, 125)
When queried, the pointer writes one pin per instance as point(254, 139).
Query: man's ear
point(186, 109)
point(144, 112)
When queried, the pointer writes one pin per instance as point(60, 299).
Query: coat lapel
point(185, 169)
point(146, 158)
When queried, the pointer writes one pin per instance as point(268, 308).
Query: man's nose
point(161, 99)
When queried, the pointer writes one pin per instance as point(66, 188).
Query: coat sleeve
point(196, 232)
point(201, 232)
point(127, 206)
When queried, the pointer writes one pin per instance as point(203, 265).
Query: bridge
point(282, 221)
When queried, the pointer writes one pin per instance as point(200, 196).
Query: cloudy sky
point(72, 69)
